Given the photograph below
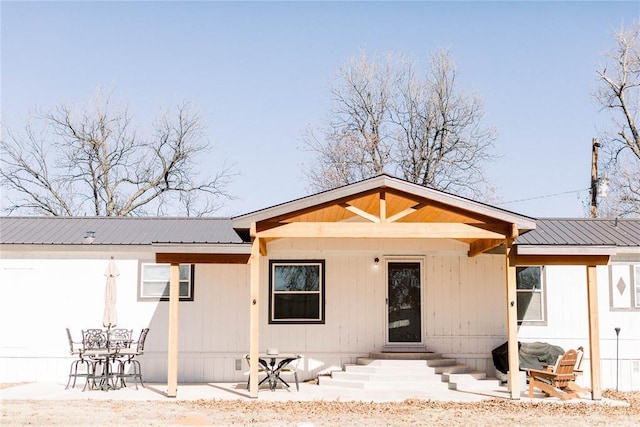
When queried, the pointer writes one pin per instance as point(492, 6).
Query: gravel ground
point(496, 412)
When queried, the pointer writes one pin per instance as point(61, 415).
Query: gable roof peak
point(382, 182)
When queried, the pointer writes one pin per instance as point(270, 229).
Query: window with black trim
point(296, 291)
point(530, 294)
point(154, 282)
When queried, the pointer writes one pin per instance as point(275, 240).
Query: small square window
point(624, 286)
point(154, 282)
point(530, 296)
point(296, 291)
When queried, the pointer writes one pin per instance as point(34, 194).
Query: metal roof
point(116, 230)
point(583, 232)
point(549, 232)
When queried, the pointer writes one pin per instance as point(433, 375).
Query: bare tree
point(93, 162)
point(355, 144)
point(441, 141)
point(619, 93)
point(388, 118)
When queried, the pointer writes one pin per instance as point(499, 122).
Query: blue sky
point(259, 72)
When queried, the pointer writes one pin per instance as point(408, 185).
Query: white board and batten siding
point(463, 311)
point(466, 315)
point(39, 298)
point(462, 299)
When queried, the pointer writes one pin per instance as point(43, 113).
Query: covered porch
point(385, 209)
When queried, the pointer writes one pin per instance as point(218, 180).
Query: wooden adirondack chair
point(559, 380)
point(577, 370)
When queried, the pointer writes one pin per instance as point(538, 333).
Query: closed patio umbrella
point(110, 317)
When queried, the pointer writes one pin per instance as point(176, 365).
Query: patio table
point(274, 364)
point(103, 348)
point(103, 357)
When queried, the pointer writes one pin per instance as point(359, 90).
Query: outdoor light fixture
point(376, 262)
point(89, 236)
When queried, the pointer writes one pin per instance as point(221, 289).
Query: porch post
point(254, 334)
point(172, 353)
point(594, 332)
point(512, 322)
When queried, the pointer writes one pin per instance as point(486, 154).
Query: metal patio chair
point(291, 368)
point(129, 358)
point(77, 349)
point(263, 368)
point(95, 342)
point(120, 338)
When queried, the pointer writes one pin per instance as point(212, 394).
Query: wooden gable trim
point(383, 211)
point(467, 208)
point(474, 218)
point(378, 230)
point(508, 230)
point(406, 212)
point(482, 232)
point(481, 246)
point(280, 219)
point(361, 213)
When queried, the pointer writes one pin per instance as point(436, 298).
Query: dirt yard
point(319, 413)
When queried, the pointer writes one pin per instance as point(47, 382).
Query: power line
point(544, 197)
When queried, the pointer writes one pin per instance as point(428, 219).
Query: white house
point(379, 265)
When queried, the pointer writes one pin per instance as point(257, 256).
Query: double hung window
point(296, 291)
point(530, 294)
point(154, 282)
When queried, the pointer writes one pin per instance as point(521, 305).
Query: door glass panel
point(403, 281)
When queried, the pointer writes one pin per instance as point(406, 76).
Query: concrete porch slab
point(237, 391)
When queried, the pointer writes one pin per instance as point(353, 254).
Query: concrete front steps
point(420, 371)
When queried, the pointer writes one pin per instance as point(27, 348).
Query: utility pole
point(594, 177)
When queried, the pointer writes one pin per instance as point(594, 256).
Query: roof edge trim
point(565, 250)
